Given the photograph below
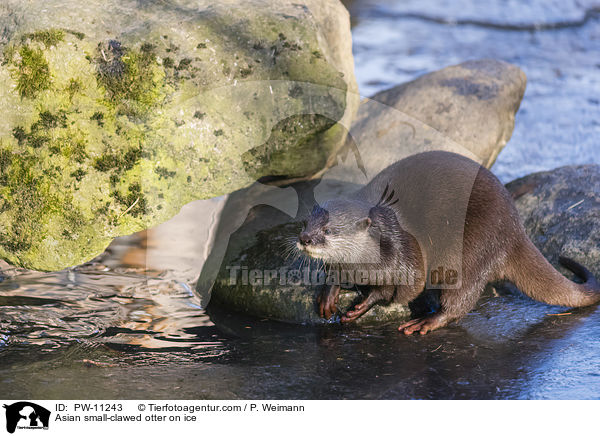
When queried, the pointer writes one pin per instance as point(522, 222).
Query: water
point(94, 334)
point(556, 43)
point(112, 330)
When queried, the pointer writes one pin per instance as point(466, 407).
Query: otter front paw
point(327, 302)
point(353, 315)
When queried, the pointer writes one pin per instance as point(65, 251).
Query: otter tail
point(537, 278)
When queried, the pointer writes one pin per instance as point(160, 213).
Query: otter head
point(342, 231)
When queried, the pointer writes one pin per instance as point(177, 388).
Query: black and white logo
point(26, 415)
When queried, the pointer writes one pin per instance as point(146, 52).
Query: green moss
point(68, 147)
point(78, 174)
point(16, 240)
point(63, 141)
point(29, 198)
point(118, 162)
point(20, 135)
point(106, 162)
point(74, 87)
point(133, 80)
point(184, 64)
point(93, 118)
point(245, 72)
point(104, 209)
point(49, 120)
point(131, 158)
point(164, 173)
point(8, 54)
point(147, 47)
point(98, 117)
point(33, 74)
point(134, 201)
point(5, 162)
point(78, 35)
point(292, 134)
point(38, 141)
point(48, 37)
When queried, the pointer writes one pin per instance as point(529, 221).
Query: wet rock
point(561, 212)
point(253, 269)
point(260, 276)
point(114, 115)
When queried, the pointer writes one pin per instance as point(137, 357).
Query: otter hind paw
point(423, 325)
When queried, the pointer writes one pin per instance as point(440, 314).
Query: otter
point(434, 220)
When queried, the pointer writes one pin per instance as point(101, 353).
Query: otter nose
point(304, 238)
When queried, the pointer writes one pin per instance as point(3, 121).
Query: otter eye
point(327, 231)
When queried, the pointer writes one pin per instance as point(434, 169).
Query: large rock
point(473, 104)
point(561, 212)
point(467, 109)
point(115, 114)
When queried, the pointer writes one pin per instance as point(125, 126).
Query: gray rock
point(115, 114)
point(473, 103)
point(561, 212)
point(467, 108)
point(259, 277)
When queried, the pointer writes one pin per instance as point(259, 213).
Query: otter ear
point(363, 223)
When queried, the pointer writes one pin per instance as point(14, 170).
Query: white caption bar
point(90, 418)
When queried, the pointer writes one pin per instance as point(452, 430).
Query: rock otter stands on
point(434, 220)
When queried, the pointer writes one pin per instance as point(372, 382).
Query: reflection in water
point(121, 306)
point(95, 332)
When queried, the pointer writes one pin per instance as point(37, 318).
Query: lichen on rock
point(116, 115)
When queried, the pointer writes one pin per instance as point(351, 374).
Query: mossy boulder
point(115, 114)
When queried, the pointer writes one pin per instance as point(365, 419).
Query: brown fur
point(449, 211)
